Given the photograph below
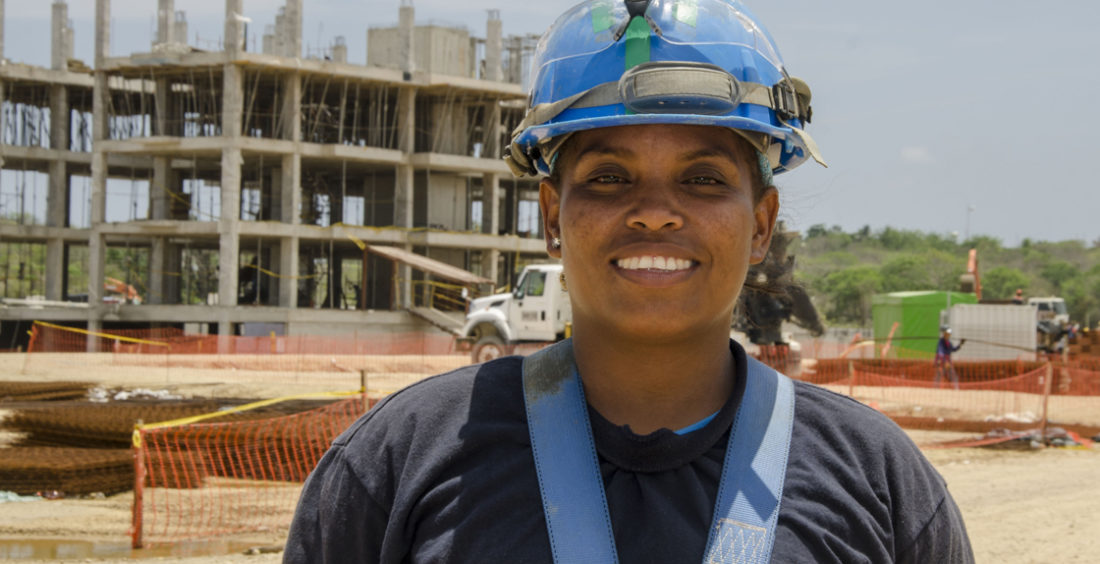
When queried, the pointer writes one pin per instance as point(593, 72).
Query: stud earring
point(555, 243)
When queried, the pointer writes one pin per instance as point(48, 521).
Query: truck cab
point(1051, 309)
point(536, 310)
point(1052, 321)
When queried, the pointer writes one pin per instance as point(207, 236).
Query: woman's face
point(658, 225)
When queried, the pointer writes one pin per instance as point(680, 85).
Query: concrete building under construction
point(247, 191)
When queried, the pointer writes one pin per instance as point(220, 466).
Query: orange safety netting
point(199, 480)
point(285, 358)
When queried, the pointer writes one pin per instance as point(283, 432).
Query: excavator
point(771, 300)
point(1052, 319)
point(120, 292)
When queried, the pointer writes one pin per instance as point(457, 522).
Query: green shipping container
point(917, 315)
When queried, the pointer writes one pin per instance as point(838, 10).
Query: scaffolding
point(212, 179)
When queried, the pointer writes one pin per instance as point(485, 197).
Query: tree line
point(842, 271)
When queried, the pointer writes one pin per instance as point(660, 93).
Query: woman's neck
point(648, 386)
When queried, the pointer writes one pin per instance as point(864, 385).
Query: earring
point(561, 278)
point(555, 243)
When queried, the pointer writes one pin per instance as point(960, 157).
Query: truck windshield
point(534, 283)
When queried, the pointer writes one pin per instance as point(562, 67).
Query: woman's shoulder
point(819, 401)
point(834, 419)
point(441, 402)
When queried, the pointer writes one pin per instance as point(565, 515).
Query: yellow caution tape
point(247, 407)
point(104, 335)
point(362, 246)
point(277, 275)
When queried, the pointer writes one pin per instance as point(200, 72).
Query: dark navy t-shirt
point(442, 471)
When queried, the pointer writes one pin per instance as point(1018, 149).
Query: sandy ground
point(1027, 507)
point(1035, 506)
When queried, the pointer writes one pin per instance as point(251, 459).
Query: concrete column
point(489, 265)
point(162, 124)
point(280, 33)
point(163, 180)
point(179, 28)
point(267, 46)
point(490, 203)
point(494, 46)
point(159, 203)
point(490, 217)
point(55, 268)
point(288, 270)
point(406, 139)
point(57, 197)
point(290, 200)
point(157, 268)
point(59, 53)
point(166, 23)
point(234, 26)
point(491, 141)
point(97, 248)
point(229, 222)
point(340, 50)
point(406, 23)
point(292, 32)
point(290, 191)
point(406, 121)
point(59, 140)
point(290, 203)
point(172, 273)
point(403, 217)
point(292, 108)
point(404, 182)
point(229, 227)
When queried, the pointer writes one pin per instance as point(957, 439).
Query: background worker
point(656, 127)
point(942, 362)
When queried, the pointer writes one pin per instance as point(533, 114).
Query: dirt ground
point(1021, 507)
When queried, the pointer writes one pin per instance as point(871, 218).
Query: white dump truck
point(536, 311)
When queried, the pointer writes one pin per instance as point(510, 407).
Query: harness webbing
point(573, 498)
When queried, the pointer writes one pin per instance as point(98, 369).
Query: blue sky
point(944, 116)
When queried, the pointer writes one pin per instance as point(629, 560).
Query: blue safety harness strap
point(565, 458)
point(573, 499)
point(747, 508)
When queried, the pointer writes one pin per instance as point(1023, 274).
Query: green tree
point(1082, 295)
point(905, 273)
point(816, 231)
point(897, 240)
point(944, 268)
point(1001, 283)
point(1058, 273)
point(849, 293)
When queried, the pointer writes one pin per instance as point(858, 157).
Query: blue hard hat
point(606, 63)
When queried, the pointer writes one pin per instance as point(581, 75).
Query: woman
point(649, 436)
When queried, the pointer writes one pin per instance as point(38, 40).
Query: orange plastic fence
point(202, 480)
point(284, 358)
point(994, 394)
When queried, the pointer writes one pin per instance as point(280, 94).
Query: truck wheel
point(488, 348)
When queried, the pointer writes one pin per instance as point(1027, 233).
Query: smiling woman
point(658, 226)
point(649, 436)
